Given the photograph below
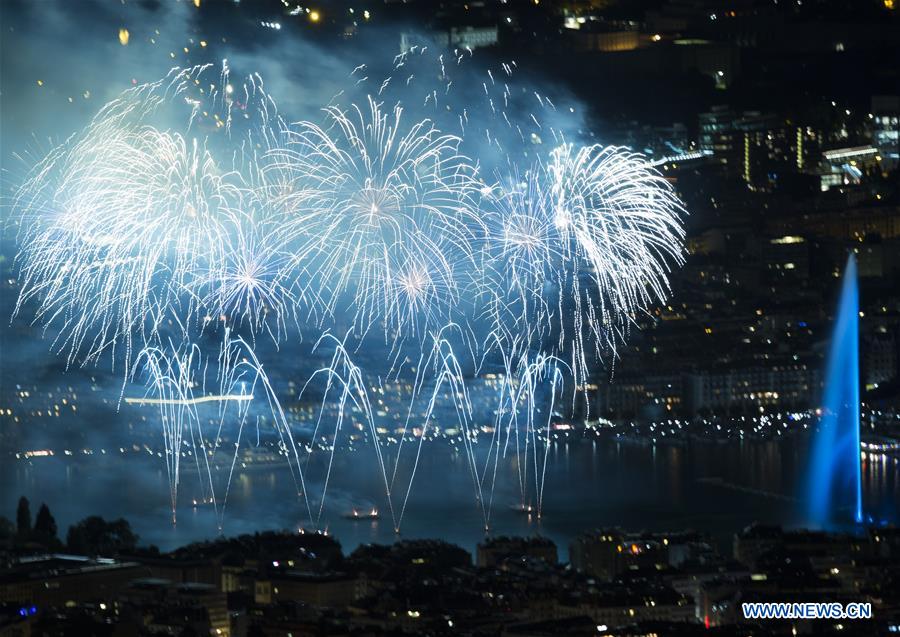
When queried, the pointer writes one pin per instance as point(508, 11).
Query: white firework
point(181, 378)
point(134, 216)
point(145, 228)
point(579, 246)
point(390, 200)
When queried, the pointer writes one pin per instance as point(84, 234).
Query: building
point(495, 551)
point(608, 553)
point(170, 608)
point(886, 128)
point(879, 360)
point(787, 256)
point(57, 580)
point(764, 150)
point(849, 165)
point(789, 384)
point(315, 589)
point(741, 386)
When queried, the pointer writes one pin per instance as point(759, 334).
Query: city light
point(540, 317)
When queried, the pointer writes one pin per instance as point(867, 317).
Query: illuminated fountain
point(835, 483)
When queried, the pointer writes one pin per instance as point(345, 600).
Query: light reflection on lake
point(715, 487)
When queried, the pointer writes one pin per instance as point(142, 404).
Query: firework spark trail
point(503, 112)
point(151, 207)
point(525, 374)
point(373, 218)
point(533, 374)
point(188, 401)
point(504, 397)
point(176, 382)
point(534, 232)
point(169, 380)
point(121, 220)
point(350, 385)
point(447, 374)
point(282, 427)
point(621, 222)
point(580, 245)
point(394, 214)
point(255, 284)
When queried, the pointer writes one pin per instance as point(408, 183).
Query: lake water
point(713, 487)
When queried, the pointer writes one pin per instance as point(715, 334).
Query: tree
point(23, 517)
point(45, 526)
point(7, 530)
point(96, 536)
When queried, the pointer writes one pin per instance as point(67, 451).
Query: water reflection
point(717, 487)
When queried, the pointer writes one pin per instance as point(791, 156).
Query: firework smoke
point(190, 207)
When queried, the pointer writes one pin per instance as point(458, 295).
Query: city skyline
point(508, 275)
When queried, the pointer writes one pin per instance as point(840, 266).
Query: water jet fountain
point(835, 476)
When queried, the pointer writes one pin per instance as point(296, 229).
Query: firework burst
point(190, 204)
point(394, 212)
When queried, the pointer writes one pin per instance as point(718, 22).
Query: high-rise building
point(886, 128)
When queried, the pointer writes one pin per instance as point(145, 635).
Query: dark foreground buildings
point(618, 583)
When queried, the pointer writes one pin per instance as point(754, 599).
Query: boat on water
point(356, 514)
point(522, 508)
